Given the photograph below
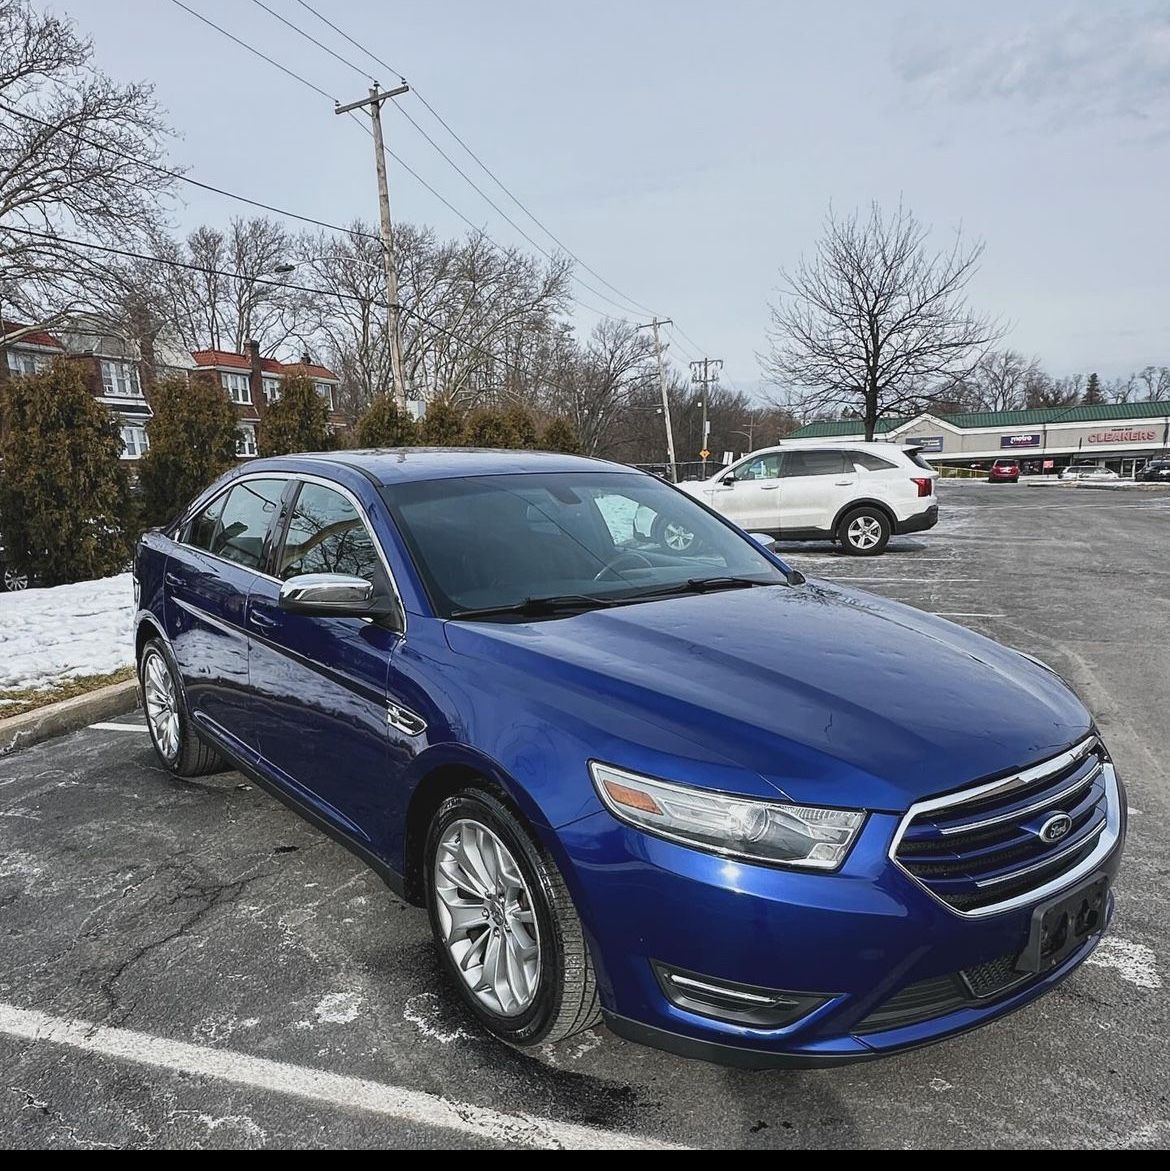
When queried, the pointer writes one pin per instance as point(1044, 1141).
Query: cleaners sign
point(1126, 436)
point(1032, 439)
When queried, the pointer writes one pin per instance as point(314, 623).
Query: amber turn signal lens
point(632, 798)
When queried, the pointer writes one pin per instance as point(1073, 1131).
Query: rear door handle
point(174, 580)
point(263, 621)
point(845, 483)
point(769, 487)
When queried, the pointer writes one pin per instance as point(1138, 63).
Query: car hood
point(822, 692)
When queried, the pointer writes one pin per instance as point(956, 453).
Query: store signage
point(1126, 436)
point(1032, 439)
point(928, 442)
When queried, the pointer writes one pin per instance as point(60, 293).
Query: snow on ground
point(47, 635)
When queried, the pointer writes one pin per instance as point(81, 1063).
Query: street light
point(284, 268)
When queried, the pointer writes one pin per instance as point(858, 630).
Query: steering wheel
point(612, 566)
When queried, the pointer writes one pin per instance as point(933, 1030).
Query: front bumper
point(919, 522)
point(858, 938)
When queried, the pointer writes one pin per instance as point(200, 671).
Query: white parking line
point(106, 727)
point(317, 1085)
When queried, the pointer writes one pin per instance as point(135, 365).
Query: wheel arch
point(146, 628)
point(865, 502)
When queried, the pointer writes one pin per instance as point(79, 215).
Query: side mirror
point(729, 479)
point(332, 595)
point(763, 539)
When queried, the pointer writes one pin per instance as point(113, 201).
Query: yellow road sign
point(704, 454)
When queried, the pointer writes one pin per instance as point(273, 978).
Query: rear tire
point(176, 743)
point(672, 535)
point(864, 531)
point(505, 924)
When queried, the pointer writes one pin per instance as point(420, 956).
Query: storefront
point(1119, 436)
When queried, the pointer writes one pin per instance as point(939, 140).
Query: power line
point(190, 267)
point(253, 49)
point(446, 158)
point(182, 176)
point(475, 157)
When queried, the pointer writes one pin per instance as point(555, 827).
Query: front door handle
point(844, 483)
point(263, 621)
point(769, 487)
point(174, 580)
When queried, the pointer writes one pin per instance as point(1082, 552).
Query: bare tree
point(76, 160)
point(876, 320)
point(1054, 392)
point(222, 312)
point(1155, 382)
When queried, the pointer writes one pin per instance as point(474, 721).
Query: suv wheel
point(505, 924)
point(864, 531)
point(15, 580)
point(177, 744)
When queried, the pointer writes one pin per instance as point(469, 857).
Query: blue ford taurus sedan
point(734, 813)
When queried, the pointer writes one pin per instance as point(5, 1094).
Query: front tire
point(505, 924)
point(864, 531)
point(175, 741)
point(678, 538)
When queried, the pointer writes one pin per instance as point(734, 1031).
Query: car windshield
point(583, 538)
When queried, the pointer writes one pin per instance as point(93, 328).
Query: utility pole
point(665, 398)
point(710, 368)
point(393, 322)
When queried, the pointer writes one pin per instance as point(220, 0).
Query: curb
point(1122, 486)
point(68, 715)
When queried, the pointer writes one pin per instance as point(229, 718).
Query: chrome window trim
point(303, 477)
point(1107, 838)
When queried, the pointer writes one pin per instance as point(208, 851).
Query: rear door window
point(248, 512)
point(814, 463)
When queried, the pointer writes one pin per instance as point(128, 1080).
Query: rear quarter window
point(868, 462)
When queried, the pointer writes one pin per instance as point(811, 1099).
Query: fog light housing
point(727, 1000)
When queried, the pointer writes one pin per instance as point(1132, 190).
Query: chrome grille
point(983, 850)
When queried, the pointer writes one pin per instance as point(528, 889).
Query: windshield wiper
point(538, 607)
point(705, 585)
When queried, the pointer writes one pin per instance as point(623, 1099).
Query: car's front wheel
point(14, 579)
point(177, 744)
point(672, 535)
point(864, 532)
point(505, 924)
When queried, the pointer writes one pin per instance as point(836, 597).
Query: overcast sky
point(686, 150)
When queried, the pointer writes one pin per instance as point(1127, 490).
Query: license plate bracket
point(1062, 924)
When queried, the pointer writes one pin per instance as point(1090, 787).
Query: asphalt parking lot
point(185, 963)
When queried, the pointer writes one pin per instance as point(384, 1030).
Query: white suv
point(857, 494)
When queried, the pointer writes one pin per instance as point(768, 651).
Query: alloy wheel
point(486, 917)
point(864, 532)
point(162, 709)
point(676, 537)
point(14, 580)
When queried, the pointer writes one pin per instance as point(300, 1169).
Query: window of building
point(24, 362)
point(134, 441)
point(246, 440)
point(120, 379)
point(238, 388)
point(326, 392)
point(271, 389)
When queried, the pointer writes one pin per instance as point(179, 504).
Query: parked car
point(857, 495)
point(1157, 471)
point(1088, 472)
point(1004, 471)
point(733, 813)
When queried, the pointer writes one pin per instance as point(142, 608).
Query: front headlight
point(763, 831)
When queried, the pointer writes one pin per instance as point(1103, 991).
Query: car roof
point(876, 445)
point(400, 465)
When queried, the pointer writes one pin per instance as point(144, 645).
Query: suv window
point(814, 463)
point(200, 529)
point(327, 535)
point(867, 461)
point(243, 523)
point(763, 467)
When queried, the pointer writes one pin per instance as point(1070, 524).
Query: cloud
point(1102, 62)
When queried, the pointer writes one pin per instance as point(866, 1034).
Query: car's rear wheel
point(505, 924)
point(175, 741)
point(672, 535)
point(14, 579)
point(864, 531)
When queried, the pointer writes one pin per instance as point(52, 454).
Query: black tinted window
point(326, 535)
point(869, 462)
point(200, 530)
point(814, 463)
point(250, 506)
